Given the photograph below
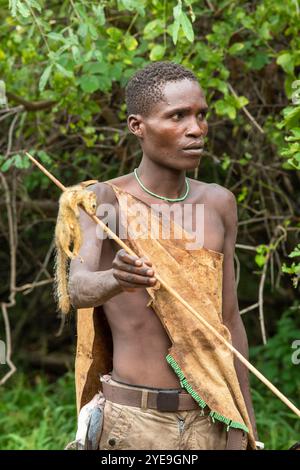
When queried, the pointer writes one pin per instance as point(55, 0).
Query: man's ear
point(135, 125)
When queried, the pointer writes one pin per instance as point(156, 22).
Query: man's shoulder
point(103, 190)
point(214, 191)
point(121, 181)
point(220, 193)
point(219, 197)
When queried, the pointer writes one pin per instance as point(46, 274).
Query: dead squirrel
point(67, 232)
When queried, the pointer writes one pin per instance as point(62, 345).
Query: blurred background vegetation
point(63, 69)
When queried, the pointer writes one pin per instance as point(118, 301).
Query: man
point(166, 112)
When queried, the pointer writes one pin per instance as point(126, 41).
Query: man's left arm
point(231, 315)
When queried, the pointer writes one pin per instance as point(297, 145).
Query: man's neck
point(164, 181)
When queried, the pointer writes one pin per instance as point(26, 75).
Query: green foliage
point(38, 415)
point(93, 50)
point(35, 415)
point(292, 151)
point(294, 268)
point(91, 53)
point(17, 160)
point(278, 427)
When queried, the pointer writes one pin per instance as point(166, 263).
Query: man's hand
point(132, 272)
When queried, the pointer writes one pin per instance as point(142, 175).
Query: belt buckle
point(167, 401)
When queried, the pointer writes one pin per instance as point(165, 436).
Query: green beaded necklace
point(178, 199)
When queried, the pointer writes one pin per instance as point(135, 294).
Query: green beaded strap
point(182, 198)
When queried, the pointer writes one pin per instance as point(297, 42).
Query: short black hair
point(144, 89)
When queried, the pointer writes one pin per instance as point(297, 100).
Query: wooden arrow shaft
point(173, 292)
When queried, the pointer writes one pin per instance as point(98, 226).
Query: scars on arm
point(67, 233)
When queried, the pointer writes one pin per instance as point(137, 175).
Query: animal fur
point(67, 232)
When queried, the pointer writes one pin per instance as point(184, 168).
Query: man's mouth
point(194, 148)
point(193, 151)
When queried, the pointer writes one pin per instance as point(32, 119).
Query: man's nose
point(197, 128)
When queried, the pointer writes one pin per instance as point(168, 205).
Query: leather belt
point(170, 400)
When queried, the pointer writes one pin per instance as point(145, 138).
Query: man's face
point(175, 123)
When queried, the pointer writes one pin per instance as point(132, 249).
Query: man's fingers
point(135, 260)
point(126, 258)
point(146, 261)
point(134, 279)
point(143, 270)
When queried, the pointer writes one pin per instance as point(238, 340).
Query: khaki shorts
point(132, 428)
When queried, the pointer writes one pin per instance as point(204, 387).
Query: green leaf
point(83, 30)
point(177, 10)
point(99, 12)
point(296, 132)
point(236, 47)
point(18, 161)
point(243, 194)
point(264, 31)
point(157, 52)
point(89, 83)
point(132, 5)
point(12, 5)
point(93, 30)
point(231, 111)
point(292, 139)
point(224, 108)
point(260, 260)
point(98, 55)
point(7, 164)
point(21, 161)
point(258, 61)
point(23, 10)
point(65, 72)
point(88, 56)
point(44, 157)
point(286, 61)
point(36, 5)
point(291, 116)
point(295, 252)
point(96, 68)
point(76, 54)
point(226, 161)
point(187, 27)
point(81, 11)
point(175, 30)
point(56, 37)
point(130, 42)
point(115, 72)
point(153, 29)
point(45, 77)
point(115, 33)
point(241, 101)
point(219, 84)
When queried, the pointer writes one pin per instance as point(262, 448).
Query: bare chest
point(199, 220)
point(209, 228)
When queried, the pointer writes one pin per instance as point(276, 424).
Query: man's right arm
point(91, 287)
point(88, 286)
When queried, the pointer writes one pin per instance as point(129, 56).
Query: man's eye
point(178, 115)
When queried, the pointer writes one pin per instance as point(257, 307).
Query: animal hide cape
point(203, 364)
